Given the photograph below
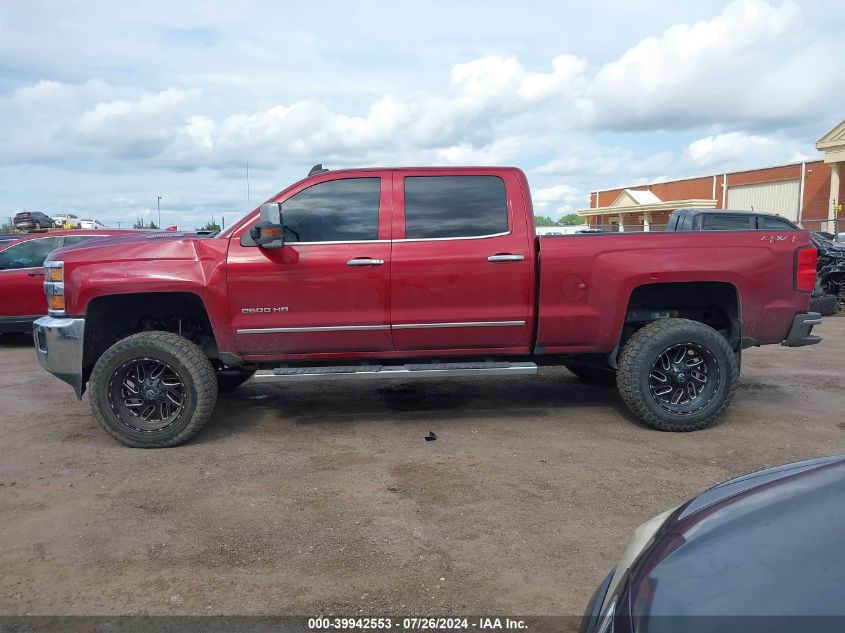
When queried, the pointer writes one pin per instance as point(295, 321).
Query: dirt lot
point(317, 498)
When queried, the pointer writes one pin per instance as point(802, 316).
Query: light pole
point(158, 204)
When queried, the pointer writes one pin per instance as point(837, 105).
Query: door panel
point(22, 277)
point(306, 298)
point(460, 292)
point(22, 293)
point(311, 297)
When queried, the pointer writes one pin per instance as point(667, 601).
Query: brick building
point(809, 193)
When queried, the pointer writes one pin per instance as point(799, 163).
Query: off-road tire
point(192, 367)
point(645, 347)
point(230, 380)
point(826, 305)
point(593, 374)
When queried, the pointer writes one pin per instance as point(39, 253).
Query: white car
point(91, 224)
point(66, 218)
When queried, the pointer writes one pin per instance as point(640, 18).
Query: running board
point(380, 372)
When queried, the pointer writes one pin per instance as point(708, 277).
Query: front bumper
point(59, 346)
point(799, 334)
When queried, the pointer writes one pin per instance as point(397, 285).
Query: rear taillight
point(805, 268)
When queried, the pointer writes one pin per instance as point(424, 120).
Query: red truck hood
point(161, 245)
point(154, 262)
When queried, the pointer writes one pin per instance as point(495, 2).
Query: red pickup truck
point(403, 273)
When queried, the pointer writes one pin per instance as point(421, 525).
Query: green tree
point(542, 220)
point(141, 225)
point(570, 219)
point(210, 226)
point(6, 227)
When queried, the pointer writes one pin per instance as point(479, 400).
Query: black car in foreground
point(763, 552)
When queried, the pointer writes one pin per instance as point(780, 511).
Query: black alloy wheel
point(153, 389)
point(677, 374)
point(146, 394)
point(684, 378)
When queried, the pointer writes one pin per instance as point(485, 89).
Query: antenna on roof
point(317, 169)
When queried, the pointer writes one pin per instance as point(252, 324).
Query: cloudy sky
point(106, 105)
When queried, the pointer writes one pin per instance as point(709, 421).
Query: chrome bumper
point(59, 346)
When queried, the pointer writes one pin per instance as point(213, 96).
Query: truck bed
point(586, 281)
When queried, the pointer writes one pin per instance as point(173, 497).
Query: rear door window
point(774, 224)
point(685, 223)
point(438, 207)
point(727, 222)
point(28, 254)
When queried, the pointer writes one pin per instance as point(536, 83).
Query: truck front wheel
point(153, 390)
point(677, 374)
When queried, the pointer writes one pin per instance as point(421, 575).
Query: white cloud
point(134, 128)
point(557, 200)
point(725, 151)
point(615, 163)
point(469, 123)
point(691, 75)
point(137, 96)
point(741, 66)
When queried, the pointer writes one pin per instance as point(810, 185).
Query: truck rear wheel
point(677, 374)
point(153, 390)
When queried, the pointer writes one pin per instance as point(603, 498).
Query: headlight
point(54, 287)
point(54, 271)
point(639, 541)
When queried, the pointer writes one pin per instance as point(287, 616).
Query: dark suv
point(727, 220)
point(32, 220)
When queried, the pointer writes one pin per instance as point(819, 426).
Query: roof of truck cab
point(428, 168)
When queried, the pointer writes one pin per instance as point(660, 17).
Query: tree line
point(570, 219)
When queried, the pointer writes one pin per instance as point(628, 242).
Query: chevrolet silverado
point(414, 272)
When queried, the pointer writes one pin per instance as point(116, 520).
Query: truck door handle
point(364, 261)
point(505, 257)
point(35, 273)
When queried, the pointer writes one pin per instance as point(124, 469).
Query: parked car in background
point(757, 548)
point(67, 221)
point(32, 220)
point(727, 220)
point(91, 224)
point(22, 297)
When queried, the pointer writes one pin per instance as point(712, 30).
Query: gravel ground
point(325, 498)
